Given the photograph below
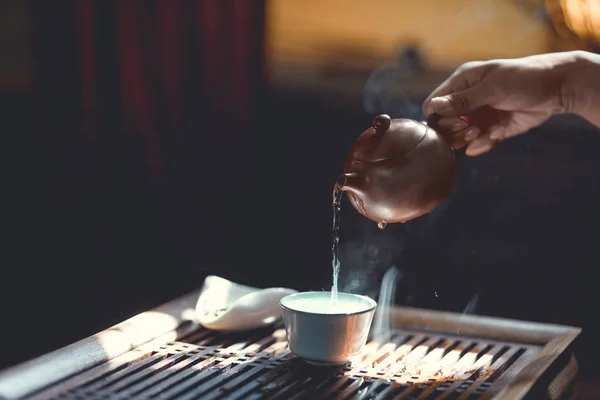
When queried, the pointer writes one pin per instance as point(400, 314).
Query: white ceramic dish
point(228, 306)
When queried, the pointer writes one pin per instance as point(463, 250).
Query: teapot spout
point(349, 182)
point(354, 185)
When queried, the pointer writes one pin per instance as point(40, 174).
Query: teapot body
point(398, 170)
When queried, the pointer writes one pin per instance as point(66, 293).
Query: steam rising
point(367, 257)
point(472, 306)
point(382, 323)
point(383, 92)
point(387, 91)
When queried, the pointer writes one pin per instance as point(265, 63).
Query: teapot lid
point(388, 138)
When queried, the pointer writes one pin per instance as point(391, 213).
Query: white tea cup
point(325, 332)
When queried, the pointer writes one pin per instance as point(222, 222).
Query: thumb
point(461, 103)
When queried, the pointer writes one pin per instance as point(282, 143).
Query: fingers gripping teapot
point(398, 170)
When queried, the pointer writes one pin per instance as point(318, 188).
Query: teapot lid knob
point(381, 123)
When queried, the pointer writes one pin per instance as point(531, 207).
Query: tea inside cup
point(323, 332)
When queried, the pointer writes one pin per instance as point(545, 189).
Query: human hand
point(482, 103)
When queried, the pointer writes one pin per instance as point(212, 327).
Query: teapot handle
point(432, 120)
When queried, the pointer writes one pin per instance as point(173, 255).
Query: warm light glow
point(269, 320)
point(361, 33)
point(135, 331)
point(279, 334)
point(189, 314)
point(579, 17)
point(413, 364)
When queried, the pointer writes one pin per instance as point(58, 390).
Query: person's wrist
point(580, 89)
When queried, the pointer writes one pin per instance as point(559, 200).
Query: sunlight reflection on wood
point(424, 359)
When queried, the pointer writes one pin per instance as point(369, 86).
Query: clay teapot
point(398, 170)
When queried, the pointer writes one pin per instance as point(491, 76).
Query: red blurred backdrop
point(138, 117)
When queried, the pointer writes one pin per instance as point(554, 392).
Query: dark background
point(148, 150)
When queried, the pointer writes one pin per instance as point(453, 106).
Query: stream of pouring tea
point(335, 235)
